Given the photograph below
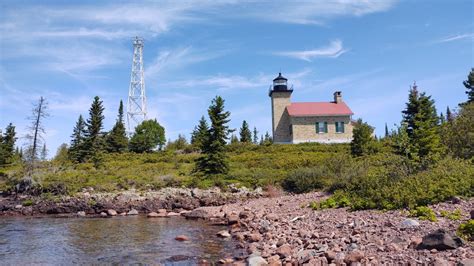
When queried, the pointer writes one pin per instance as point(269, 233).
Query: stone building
point(324, 122)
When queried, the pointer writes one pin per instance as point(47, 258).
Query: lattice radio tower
point(136, 104)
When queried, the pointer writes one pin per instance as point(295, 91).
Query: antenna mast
point(136, 104)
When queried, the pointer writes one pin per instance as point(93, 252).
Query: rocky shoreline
point(93, 204)
point(283, 231)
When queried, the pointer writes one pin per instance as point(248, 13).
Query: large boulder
point(440, 240)
point(256, 260)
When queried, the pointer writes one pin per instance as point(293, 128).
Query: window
point(321, 127)
point(291, 130)
point(339, 127)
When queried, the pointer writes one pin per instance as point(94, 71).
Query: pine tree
point(449, 115)
point(214, 159)
point(94, 142)
point(387, 134)
point(117, 140)
point(255, 135)
point(267, 139)
point(442, 119)
point(77, 151)
point(234, 139)
point(469, 84)
point(200, 134)
point(245, 134)
point(362, 143)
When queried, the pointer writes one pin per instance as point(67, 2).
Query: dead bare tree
point(35, 135)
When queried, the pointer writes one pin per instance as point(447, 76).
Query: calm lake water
point(122, 240)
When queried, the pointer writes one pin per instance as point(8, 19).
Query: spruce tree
point(94, 142)
point(234, 139)
point(245, 134)
point(7, 144)
point(77, 151)
point(44, 153)
point(442, 118)
point(412, 108)
point(117, 140)
point(469, 84)
point(200, 134)
point(214, 159)
point(255, 135)
point(387, 134)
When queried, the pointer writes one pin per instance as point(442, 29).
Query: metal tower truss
point(136, 104)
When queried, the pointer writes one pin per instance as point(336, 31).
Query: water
point(122, 240)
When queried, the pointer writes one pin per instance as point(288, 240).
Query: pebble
point(181, 238)
point(223, 234)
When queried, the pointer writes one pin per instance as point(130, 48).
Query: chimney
point(337, 97)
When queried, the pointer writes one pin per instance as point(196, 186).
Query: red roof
point(318, 109)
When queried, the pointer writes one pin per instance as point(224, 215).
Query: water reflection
point(116, 240)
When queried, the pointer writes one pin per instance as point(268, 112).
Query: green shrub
point(337, 200)
point(424, 213)
point(27, 202)
point(305, 180)
point(454, 215)
point(466, 230)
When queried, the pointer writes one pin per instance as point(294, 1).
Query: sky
point(372, 51)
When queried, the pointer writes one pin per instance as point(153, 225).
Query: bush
point(305, 180)
point(424, 213)
point(338, 200)
point(454, 215)
point(466, 230)
point(27, 202)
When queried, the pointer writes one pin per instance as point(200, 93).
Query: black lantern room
point(280, 84)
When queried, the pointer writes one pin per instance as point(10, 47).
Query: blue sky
point(70, 51)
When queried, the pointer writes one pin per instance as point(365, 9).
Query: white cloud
point(333, 50)
point(457, 37)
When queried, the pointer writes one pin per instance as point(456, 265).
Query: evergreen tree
point(449, 115)
point(94, 141)
point(148, 135)
point(261, 140)
point(401, 141)
point(44, 153)
point(117, 140)
point(245, 133)
point(421, 119)
point(7, 144)
point(213, 161)
point(442, 119)
point(458, 136)
point(234, 139)
point(387, 134)
point(77, 151)
point(412, 108)
point(36, 132)
point(362, 143)
point(469, 84)
point(255, 135)
point(62, 153)
point(267, 139)
point(179, 144)
point(200, 134)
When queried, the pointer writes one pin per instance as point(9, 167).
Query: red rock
point(111, 212)
point(152, 215)
point(162, 211)
point(181, 238)
point(354, 256)
point(255, 237)
point(284, 251)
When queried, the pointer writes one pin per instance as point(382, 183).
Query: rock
point(456, 200)
point(18, 206)
point(440, 240)
point(111, 212)
point(123, 214)
point(466, 262)
point(255, 237)
point(394, 247)
point(274, 260)
point(152, 215)
point(284, 251)
point(132, 212)
point(223, 233)
point(226, 261)
point(472, 214)
point(256, 260)
point(408, 223)
point(304, 256)
point(81, 213)
point(171, 214)
point(244, 214)
point(103, 214)
point(197, 214)
point(181, 238)
point(232, 219)
point(272, 217)
point(440, 262)
point(330, 255)
point(354, 256)
point(280, 242)
point(415, 241)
